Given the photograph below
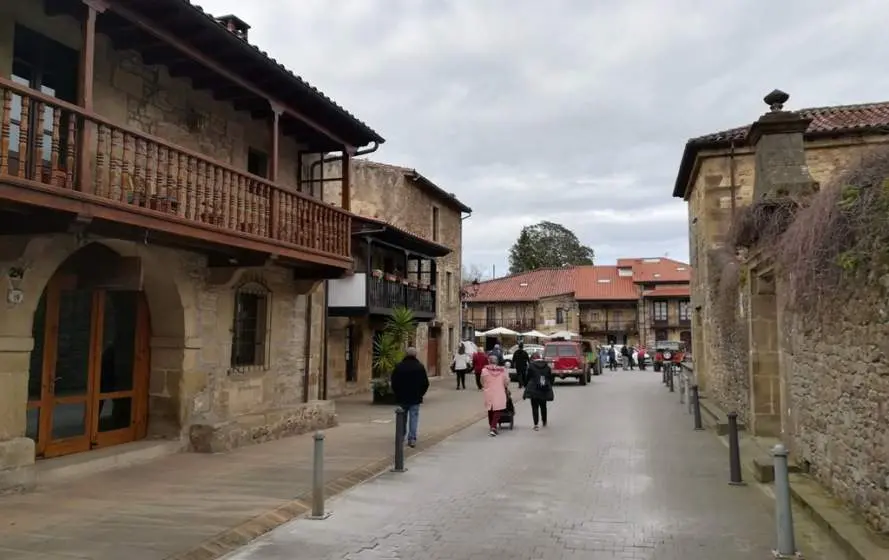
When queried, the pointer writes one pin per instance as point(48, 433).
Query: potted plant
point(391, 277)
point(377, 273)
point(389, 350)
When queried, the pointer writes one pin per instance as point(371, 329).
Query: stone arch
point(29, 264)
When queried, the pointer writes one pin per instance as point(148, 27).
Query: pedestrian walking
point(495, 382)
point(479, 361)
point(603, 359)
point(497, 351)
point(612, 358)
point(409, 383)
point(539, 389)
point(625, 357)
point(461, 365)
point(520, 360)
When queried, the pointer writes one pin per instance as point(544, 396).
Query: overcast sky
point(574, 111)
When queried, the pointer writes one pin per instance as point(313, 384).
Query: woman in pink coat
point(495, 383)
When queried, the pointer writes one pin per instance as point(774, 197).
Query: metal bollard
point(696, 397)
point(734, 451)
point(318, 479)
point(400, 427)
point(670, 376)
point(783, 509)
point(681, 387)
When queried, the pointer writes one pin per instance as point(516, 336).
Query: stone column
point(780, 160)
point(16, 450)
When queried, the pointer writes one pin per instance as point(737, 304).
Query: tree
point(546, 245)
point(469, 279)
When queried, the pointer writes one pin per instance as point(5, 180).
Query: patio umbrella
point(535, 334)
point(500, 331)
point(565, 334)
point(479, 334)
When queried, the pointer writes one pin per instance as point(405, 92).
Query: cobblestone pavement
point(618, 474)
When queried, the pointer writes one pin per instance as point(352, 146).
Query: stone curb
point(240, 535)
point(850, 536)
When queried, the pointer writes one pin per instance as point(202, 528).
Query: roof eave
point(442, 194)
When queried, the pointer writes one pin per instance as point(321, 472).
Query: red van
point(566, 359)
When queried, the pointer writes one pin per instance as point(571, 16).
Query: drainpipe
point(307, 343)
point(323, 384)
point(332, 158)
point(460, 313)
point(732, 171)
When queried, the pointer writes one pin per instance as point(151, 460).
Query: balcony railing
point(520, 325)
point(389, 294)
point(625, 325)
point(55, 146)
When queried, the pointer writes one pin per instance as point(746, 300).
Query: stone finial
point(776, 100)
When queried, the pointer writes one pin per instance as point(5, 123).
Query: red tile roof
point(838, 120)
point(525, 286)
point(668, 291)
point(600, 283)
point(603, 283)
point(657, 269)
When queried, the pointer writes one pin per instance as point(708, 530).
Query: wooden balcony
point(363, 294)
point(519, 325)
point(59, 163)
point(609, 326)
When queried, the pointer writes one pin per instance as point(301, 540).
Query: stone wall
point(546, 315)
point(384, 192)
point(193, 392)
point(146, 98)
point(825, 390)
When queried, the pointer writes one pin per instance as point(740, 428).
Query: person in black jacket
point(520, 361)
point(410, 382)
point(539, 388)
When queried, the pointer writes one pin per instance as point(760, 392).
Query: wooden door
point(432, 353)
point(89, 368)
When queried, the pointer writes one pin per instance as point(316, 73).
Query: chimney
point(235, 25)
point(780, 160)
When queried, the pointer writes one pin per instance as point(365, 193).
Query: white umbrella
point(535, 334)
point(479, 334)
point(500, 331)
point(564, 334)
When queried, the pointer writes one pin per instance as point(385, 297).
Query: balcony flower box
point(412, 284)
point(405, 281)
point(377, 273)
point(424, 286)
point(391, 278)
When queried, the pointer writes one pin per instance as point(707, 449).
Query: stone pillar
point(16, 450)
point(764, 364)
point(780, 160)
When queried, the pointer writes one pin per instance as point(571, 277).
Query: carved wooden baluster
point(241, 213)
point(215, 188)
point(101, 159)
point(127, 191)
point(37, 171)
point(200, 198)
point(55, 145)
point(283, 225)
point(115, 165)
point(182, 186)
point(265, 214)
point(70, 150)
point(297, 220)
point(162, 176)
point(5, 131)
point(173, 184)
point(231, 200)
point(23, 136)
point(140, 166)
point(253, 191)
point(151, 171)
point(305, 223)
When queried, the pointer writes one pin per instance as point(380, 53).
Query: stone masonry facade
point(387, 192)
point(822, 388)
point(193, 393)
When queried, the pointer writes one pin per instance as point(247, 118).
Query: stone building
point(820, 386)
point(162, 247)
point(407, 249)
point(630, 303)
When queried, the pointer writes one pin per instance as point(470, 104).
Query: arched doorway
point(88, 377)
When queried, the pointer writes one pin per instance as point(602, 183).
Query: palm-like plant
point(389, 348)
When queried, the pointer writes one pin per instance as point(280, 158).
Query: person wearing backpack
point(461, 365)
point(539, 389)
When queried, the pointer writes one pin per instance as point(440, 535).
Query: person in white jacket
point(461, 365)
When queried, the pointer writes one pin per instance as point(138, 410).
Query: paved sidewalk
point(177, 505)
point(618, 474)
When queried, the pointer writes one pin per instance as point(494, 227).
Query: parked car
point(507, 357)
point(664, 350)
point(566, 359)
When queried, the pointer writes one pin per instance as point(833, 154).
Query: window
point(685, 310)
point(257, 163)
point(449, 286)
point(560, 315)
point(434, 223)
point(452, 344)
point(249, 334)
point(491, 316)
point(659, 311)
point(351, 374)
